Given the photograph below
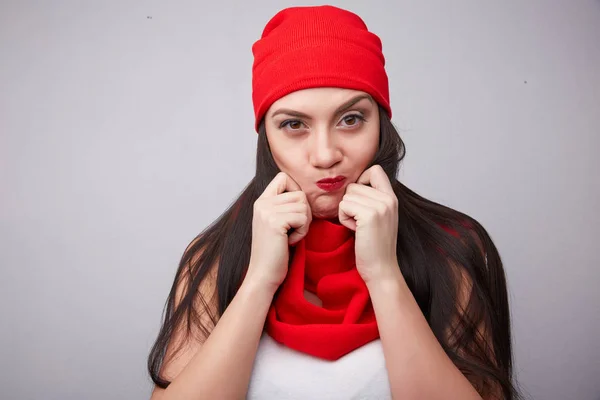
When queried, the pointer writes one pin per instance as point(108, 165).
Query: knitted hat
point(322, 46)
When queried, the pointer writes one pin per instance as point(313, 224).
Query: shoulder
point(198, 310)
point(188, 273)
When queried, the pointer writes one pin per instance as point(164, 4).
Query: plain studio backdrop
point(127, 127)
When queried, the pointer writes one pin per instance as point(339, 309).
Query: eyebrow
point(338, 111)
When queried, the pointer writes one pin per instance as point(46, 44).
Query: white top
point(281, 373)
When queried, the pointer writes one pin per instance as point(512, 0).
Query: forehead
point(321, 98)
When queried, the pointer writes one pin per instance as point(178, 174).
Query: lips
point(332, 180)
point(332, 184)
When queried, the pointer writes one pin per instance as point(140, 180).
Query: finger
point(364, 200)
point(280, 184)
point(377, 178)
point(291, 208)
point(301, 231)
point(294, 220)
point(289, 197)
point(365, 191)
point(349, 213)
point(299, 221)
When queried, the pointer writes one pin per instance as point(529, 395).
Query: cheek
point(287, 158)
point(278, 149)
point(363, 151)
point(372, 147)
point(283, 156)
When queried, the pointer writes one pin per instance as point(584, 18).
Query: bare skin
point(313, 134)
point(325, 145)
point(325, 141)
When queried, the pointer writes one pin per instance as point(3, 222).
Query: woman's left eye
point(353, 119)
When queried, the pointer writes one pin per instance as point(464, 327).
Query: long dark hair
point(437, 248)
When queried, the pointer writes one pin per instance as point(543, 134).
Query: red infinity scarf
point(324, 264)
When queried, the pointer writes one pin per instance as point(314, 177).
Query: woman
point(328, 278)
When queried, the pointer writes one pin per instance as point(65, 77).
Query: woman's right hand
point(282, 206)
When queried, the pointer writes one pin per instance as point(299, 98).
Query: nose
point(324, 151)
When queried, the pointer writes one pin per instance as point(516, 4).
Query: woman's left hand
point(372, 212)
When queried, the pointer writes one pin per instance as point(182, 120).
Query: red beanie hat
point(322, 46)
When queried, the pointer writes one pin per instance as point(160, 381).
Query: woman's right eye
point(293, 124)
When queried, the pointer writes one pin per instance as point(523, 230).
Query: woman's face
point(322, 133)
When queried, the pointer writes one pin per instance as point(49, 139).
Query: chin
point(325, 207)
point(326, 214)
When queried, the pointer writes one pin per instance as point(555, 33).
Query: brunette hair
point(424, 228)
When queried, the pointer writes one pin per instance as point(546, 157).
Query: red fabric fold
point(324, 264)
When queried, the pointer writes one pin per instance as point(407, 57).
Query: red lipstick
point(332, 184)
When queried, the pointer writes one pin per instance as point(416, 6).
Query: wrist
point(390, 280)
point(259, 285)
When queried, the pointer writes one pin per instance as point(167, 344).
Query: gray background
point(123, 136)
